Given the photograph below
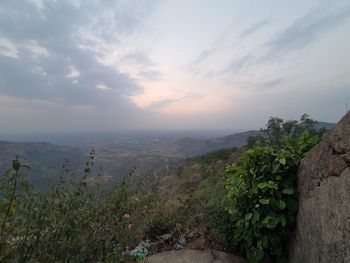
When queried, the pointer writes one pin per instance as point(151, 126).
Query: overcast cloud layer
point(142, 64)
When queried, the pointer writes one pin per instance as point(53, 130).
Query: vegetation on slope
point(249, 206)
point(74, 222)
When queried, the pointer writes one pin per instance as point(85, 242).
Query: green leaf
point(283, 221)
point(230, 211)
point(265, 242)
point(256, 216)
point(263, 185)
point(272, 185)
point(258, 254)
point(248, 216)
point(270, 222)
point(16, 165)
point(288, 191)
point(264, 201)
point(259, 245)
point(280, 204)
point(282, 160)
point(276, 244)
point(25, 185)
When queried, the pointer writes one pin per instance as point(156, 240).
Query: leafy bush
point(262, 197)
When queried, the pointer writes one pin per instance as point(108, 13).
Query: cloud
point(43, 57)
point(303, 32)
point(138, 58)
point(141, 66)
point(254, 28)
point(238, 64)
point(161, 103)
point(39, 70)
point(205, 54)
point(103, 87)
point(73, 72)
point(35, 49)
point(165, 102)
point(8, 49)
point(47, 55)
point(79, 60)
point(149, 74)
point(272, 83)
point(296, 36)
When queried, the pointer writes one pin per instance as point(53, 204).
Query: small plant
point(12, 190)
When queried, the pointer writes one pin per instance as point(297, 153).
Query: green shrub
point(262, 198)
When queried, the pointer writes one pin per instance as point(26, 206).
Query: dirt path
point(193, 256)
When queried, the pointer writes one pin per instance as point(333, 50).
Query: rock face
point(323, 221)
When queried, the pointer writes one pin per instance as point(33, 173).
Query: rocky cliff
point(323, 222)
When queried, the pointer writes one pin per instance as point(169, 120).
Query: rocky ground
point(180, 247)
point(193, 256)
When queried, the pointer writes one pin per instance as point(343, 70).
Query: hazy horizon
point(107, 66)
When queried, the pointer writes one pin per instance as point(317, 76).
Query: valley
point(116, 155)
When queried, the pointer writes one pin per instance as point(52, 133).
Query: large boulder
point(323, 221)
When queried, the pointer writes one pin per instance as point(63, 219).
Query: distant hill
point(326, 125)
point(45, 159)
point(192, 147)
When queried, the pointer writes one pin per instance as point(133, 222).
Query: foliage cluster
point(74, 222)
point(262, 198)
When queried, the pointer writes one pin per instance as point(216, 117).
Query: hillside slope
point(45, 159)
point(192, 147)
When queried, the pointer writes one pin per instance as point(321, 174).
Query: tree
point(278, 129)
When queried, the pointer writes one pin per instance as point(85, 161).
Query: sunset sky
point(170, 64)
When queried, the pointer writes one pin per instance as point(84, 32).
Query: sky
point(89, 65)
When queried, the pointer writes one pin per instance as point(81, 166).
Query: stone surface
point(193, 256)
point(323, 221)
